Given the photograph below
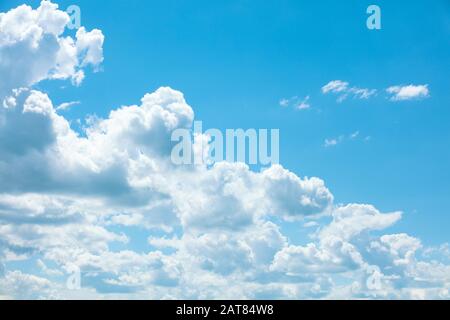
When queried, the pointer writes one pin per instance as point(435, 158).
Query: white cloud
point(332, 142)
point(17, 285)
point(284, 102)
point(344, 90)
point(120, 175)
point(333, 255)
point(401, 247)
point(351, 220)
point(334, 251)
point(90, 46)
point(335, 86)
point(311, 224)
point(66, 105)
point(397, 93)
point(409, 92)
point(80, 193)
point(304, 104)
point(292, 197)
point(213, 232)
point(296, 103)
point(354, 135)
point(33, 47)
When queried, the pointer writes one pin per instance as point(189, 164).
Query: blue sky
point(234, 61)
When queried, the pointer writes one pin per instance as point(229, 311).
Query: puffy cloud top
point(33, 47)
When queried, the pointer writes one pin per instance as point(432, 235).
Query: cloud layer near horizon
point(71, 198)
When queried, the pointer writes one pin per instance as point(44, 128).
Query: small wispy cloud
point(335, 86)
point(296, 102)
point(409, 92)
point(344, 90)
point(284, 102)
point(311, 224)
point(332, 142)
point(354, 135)
point(362, 93)
point(66, 105)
